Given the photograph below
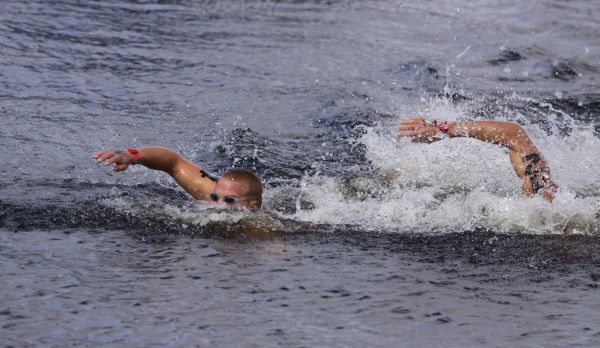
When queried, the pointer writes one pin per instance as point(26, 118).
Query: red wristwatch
point(134, 152)
point(443, 127)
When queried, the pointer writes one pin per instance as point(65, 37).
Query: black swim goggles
point(228, 199)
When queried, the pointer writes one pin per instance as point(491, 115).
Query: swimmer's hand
point(419, 129)
point(121, 159)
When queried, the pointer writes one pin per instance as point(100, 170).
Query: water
point(378, 242)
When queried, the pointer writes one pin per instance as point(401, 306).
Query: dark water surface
point(379, 242)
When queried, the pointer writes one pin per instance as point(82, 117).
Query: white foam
point(198, 213)
point(460, 184)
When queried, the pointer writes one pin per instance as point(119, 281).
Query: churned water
point(370, 240)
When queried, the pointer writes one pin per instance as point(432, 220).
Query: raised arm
point(189, 176)
point(526, 159)
point(508, 134)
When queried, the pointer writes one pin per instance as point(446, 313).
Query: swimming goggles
point(229, 199)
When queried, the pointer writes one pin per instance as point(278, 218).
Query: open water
point(378, 241)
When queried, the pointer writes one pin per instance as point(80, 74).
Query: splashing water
point(460, 184)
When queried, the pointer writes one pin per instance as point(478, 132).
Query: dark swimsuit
point(536, 174)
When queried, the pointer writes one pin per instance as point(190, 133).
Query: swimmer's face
point(231, 193)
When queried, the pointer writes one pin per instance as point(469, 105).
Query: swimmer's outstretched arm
point(188, 175)
point(526, 160)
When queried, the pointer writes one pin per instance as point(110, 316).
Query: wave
point(156, 222)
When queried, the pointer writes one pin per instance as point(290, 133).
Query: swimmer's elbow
point(513, 129)
point(516, 138)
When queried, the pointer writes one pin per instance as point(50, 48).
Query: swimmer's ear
point(253, 205)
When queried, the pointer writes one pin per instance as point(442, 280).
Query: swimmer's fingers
point(404, 127)
point(102, 156)
point(99, 154)
point(414, 133)
point(121, 167)
point(111, 157)
point(404, 124)
point(422, 131)
point(117, 158)
point(414, 119)
point(411, 124)
point(409, 133)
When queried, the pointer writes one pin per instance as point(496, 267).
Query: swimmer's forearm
point(508, 134)
point(158, 158)
point(189, 176)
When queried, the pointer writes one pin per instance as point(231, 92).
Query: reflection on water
point(303, 290)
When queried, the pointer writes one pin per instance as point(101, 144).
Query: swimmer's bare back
point(529, 165)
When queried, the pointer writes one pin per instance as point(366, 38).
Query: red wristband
point(135, 153)
point(443, 127)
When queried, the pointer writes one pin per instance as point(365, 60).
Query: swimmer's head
point(238, 188)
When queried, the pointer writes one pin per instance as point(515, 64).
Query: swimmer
point(528, 163)
point(237, 188)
